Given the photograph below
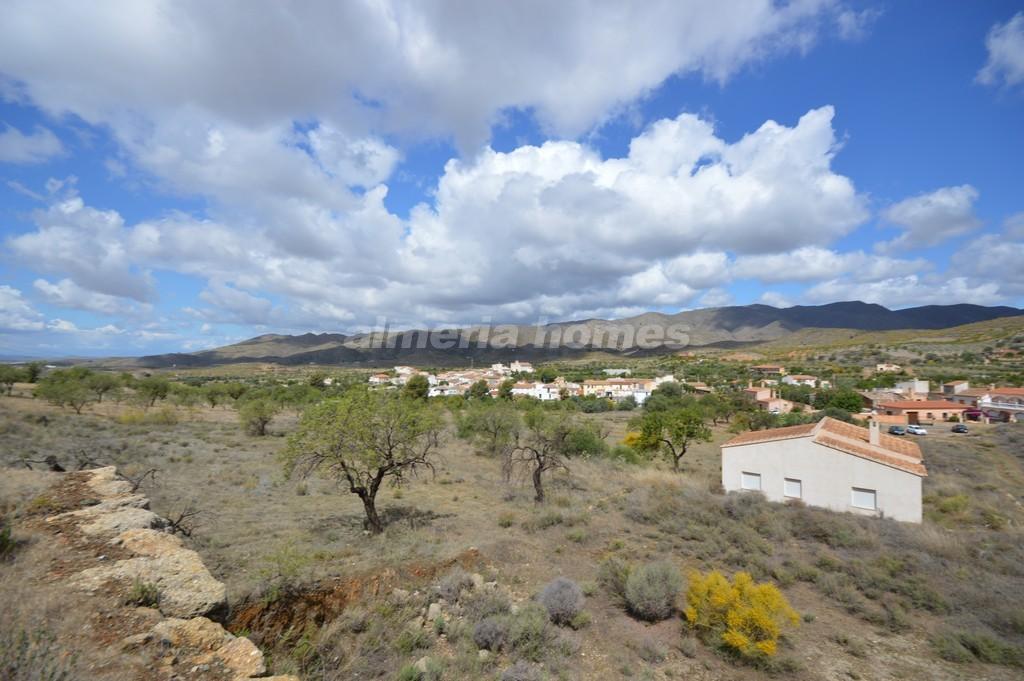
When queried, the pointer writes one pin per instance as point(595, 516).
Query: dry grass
point(885, 586)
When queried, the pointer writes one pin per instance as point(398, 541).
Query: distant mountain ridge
point(722, 326)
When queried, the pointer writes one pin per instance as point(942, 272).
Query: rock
point(477, 579)
point(400, 595)
point(422, 664)
point(136, 640)
point(483, 654)
point(198, 632)
point(186, 587)
point(241, 656)
point(433, 612)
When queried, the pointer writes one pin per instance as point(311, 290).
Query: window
point(864, 498)
point(751, 481)
point(792, 488)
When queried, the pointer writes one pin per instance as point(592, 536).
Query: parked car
point(897, 430)
point(959, 428)
point(916, 430)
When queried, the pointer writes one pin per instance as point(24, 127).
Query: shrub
point(651, 590)
point(7, 542)
point(453, 584)
point(413, 639)
point(521, 671)
point(612, 574)
point(491, 633)
point(745, 616)
point(966, 646)
point(143, 594)
point(563, 599)
point(479, 605)
point(528, 633)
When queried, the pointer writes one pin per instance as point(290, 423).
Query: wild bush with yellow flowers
point(744, 616)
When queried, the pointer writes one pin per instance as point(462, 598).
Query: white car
point(916, 430)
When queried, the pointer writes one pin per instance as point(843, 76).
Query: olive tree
point(256, 415)
point(547, 441)
point(491, 426)
point(102, 383)
point(362, 439)
point(9, 376)
point(672, 432)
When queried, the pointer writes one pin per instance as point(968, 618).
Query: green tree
point(102, 383)
point(505, 389)
point(671, 432)
point(9, 376)
point(362, 439)
point(33, 370)
point(479, 391)
point(214, 394)
point(547, 374)
point(417, 387)
point(490, 426)
point(257, 414)
point(64, 390)
point(548, 441)
point(151, 389)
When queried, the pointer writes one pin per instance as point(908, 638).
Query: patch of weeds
point(143, 594)
point(413, 639)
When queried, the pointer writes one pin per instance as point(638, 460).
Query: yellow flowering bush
point(746, 616)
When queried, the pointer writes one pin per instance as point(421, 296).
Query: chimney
point(874, 430)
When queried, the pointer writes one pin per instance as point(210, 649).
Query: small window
point(864, 498)
point(792, 488)
point(751, 481)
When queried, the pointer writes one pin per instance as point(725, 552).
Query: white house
point(830, 464)
point(800, 379)
point(521, 367)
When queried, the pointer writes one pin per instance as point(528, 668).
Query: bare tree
point(547, 442)
point(184, 522)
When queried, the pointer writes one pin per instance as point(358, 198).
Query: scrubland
point(876, 599)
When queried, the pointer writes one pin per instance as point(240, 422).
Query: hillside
point(723, 327)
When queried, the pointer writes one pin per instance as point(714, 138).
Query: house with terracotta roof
point(803, 379)
point(768, 370)
point(920, 411)
point(830, 464)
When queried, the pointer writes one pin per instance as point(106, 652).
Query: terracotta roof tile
point(845, 437)
point(922, 404)
point(786, 433)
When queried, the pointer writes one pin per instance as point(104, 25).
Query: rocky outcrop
point(185, 593)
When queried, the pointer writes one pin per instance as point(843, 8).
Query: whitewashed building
point(830, 464)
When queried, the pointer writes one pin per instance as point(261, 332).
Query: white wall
point(827, 477)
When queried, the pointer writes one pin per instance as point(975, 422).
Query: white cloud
point(15, 312)
point(1005, 44)
point(932, 218)
point(909, 291)
point(775, 299)
point(853, 25)
point(424, 67)
point(36, 147)
point(357, 162)
point(812, 263)
point(66, 293)
point(716, 297)
point(1013, 226)
point(86, 245)
point(552, 230)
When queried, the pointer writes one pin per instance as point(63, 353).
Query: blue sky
point(180, 176)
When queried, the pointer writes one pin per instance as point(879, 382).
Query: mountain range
point(648, 333)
